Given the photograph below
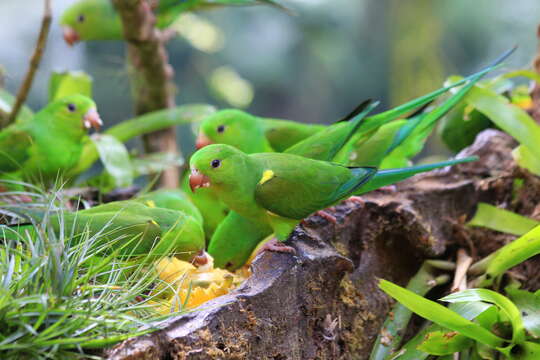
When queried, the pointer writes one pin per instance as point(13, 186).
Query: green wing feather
point(14, 145)
point(325, 144)
point(299, 186)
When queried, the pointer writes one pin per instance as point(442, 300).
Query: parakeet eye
point(80, 18)
point(215, 163)
point(221, 128)
point(71, 107)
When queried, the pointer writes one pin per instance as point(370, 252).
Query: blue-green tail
point(392, 176)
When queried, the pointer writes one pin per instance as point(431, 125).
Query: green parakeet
point(131, 227)
point(51, 143)
point(278, 189)
point(98, 20)
point(252, 134)
point(173, 199)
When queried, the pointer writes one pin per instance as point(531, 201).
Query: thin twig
point(34, 63)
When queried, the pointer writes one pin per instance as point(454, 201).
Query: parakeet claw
point(356, 200)
point(389, 189)
point(276, 246)
point(330, 218)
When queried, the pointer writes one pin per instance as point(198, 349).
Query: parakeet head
point(215, 165)
point(75, 112)
point(235, 128)
point(91, 20)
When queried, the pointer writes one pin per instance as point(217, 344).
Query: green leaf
point(524, 73)
point(507, 116)
point(155, 163)
point(512, 254)
point(444, 343)
point(393, 329)
point(502, 220)
point(511, 311)
point(115, 159)
point(528, 304)
point(6, 102)
point(527, 159)
point(62, 84)
point(440, 315)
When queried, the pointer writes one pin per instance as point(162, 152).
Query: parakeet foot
point(330, 218)
point(356, 200)
point(276, 246)
point(388, 189)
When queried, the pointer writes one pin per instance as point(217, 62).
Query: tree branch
point(34, 63)
point(151, 78)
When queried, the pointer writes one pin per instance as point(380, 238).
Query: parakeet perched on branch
point(275, 188)
point(50, 144)
point(98, 20)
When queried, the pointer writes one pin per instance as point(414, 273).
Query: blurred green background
point(314, 66)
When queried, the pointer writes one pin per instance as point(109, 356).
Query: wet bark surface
point(324, 302)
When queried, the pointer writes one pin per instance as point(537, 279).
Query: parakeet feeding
point(49, 145)
point(131, 228)
point(98, 20)
point(173, 199)
point(275, 188)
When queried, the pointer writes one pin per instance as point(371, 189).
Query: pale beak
point(202, 141)
point(92, 119)
point(70, 35)
point(198, 180)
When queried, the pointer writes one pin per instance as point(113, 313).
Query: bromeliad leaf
point(115, 159)
point(511, 255)
point(155, 163)
point(527, 159)
point(502, 220)
point(512, 119)
point(511, 311)
point(444, 343)
point(440, 315)
point(528, 304)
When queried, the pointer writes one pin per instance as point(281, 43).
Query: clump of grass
point(58, 299)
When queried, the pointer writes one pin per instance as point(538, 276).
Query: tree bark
point(151, 75)
point(324, 302)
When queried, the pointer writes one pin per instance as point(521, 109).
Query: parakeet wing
point(14, 144)
point(296, 187)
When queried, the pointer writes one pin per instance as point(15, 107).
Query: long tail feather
point(377, 120)
point(392, 176)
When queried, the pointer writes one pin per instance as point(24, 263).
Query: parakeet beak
point(202, 141)
point(70, 35)
point(198, 180)
point(92, 119)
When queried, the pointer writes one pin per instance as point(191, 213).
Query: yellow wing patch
point(267, 175)
point(154, 222)
point(150, 203)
